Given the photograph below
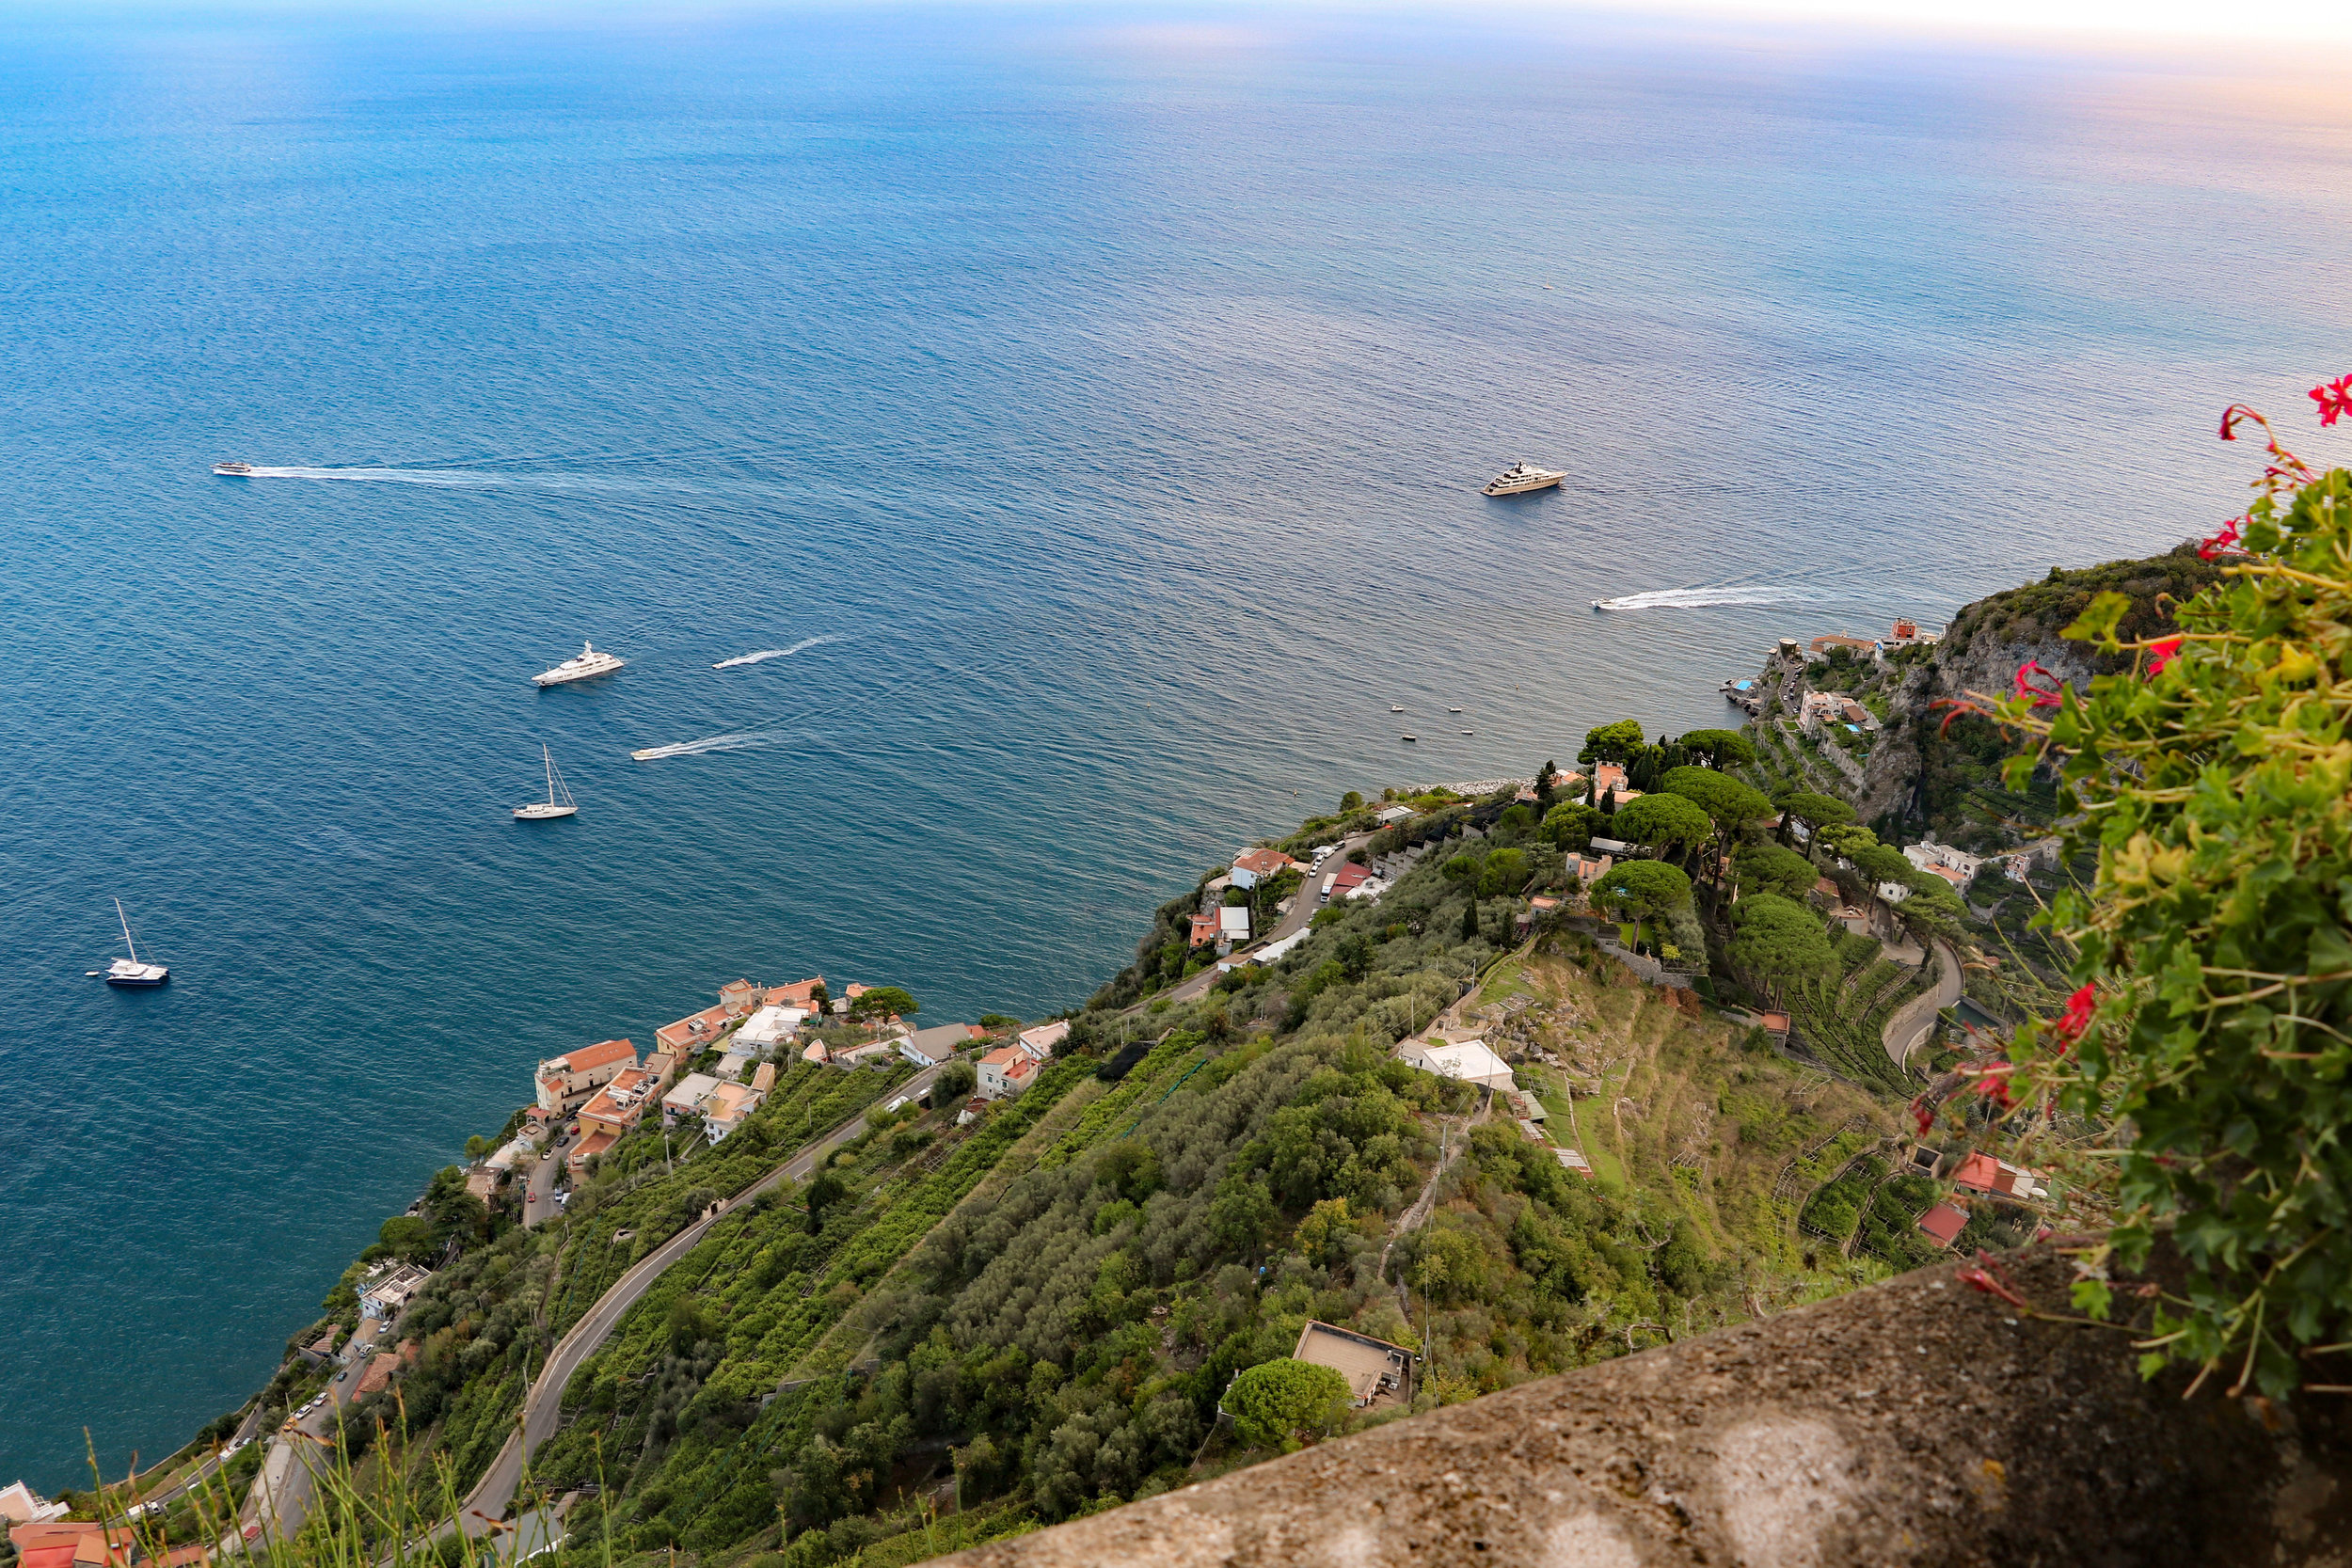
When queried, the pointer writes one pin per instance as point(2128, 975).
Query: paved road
point(1912, 1021)
point(488, 1500)
point(284, 1492)
point(539, 1205)
point(1303, 910)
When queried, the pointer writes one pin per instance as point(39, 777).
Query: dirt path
point(1452, 1140)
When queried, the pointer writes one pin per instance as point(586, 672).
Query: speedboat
point(585, 665)
point(1408, 737)
point(234, 470)
point(133, 970)
point(1600, 604)
point(559, 801)
point(1520, 478)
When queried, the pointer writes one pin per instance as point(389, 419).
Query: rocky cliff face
point(1921, 772)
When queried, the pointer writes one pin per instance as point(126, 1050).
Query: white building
point(1252, 866)
point(385, 1291)
point(1005, 1072)
point(1928, 855)
point(693, 1092)
point(770, 1027)
point(1039, 1042)
point(567, 1082)
point(1469, 1060)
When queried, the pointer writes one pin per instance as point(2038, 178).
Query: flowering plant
point(2213, 1028)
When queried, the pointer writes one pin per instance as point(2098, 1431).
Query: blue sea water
point(1087, 409)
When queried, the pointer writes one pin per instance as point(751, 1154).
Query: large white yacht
point(585, 665)
point(1520, 478)
point(132, 971)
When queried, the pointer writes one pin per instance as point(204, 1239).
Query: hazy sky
point(2270, 21)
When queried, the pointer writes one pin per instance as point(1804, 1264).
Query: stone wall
point(1918, 1422)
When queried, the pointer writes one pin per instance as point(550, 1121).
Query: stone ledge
point(1917, 1422)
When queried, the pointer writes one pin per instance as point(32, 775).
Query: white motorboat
point(559, 801)
point(234, 470)
point(1408, 737)
point(132, 971)
point(585, 665)
point(1520, 478)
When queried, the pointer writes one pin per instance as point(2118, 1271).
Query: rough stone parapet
point(1917, 1422)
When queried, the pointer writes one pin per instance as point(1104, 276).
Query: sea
point(1021, 455)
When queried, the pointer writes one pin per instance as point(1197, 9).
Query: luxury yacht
point(132, 971)
point(234, 470)
point(1520, 478)
point(586, 665)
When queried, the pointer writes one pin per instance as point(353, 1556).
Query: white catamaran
point(559, 801)
point(132, 971)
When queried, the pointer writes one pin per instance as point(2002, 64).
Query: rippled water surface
point(1020, 459)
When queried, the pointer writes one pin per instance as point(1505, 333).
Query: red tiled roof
point(799, 993)
point(1944, 1223)
point(1262, 862)
point(1981, 1173)
point(700, 1028)
point(1349, 876)
point(596, 1056)
point(58, 1556)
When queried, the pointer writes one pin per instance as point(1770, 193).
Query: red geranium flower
point(1993, 1083)
point(2223, 543)
point(2162, 653)
point(2044, 696)
point(2079, 1007)
point(1922, 1116)
point(2334, 399)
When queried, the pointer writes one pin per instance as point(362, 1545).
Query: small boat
point(1520, 478)
point(1469, 731)
point(1408, 737)
point(132, 971)
point(234, 470)
point(1600, 604)
point(559, 801)
point(650, 754)
point(1394, 707)
point(1453, 710)
point(585, 665)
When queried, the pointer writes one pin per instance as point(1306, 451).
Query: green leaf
point(2092, 1297)
point(2099, 620)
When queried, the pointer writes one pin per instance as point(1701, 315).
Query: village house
point(1957, 867)
point(771, 1026)
point(1205, 927)
point(1587, 867)
point(727, 1109)
point(764, 1077)
point(932, 1046)
point(1005, 1072)
point(56, 1543)
point(1232, 925)
point(1039, 1042)
point(1944, 1224)
point(731, 1066)
point(688, 1098)
point(1469, 1060)
point(1981, 1173)
point(566, 1082)
point(1907, 634)
point(661, 1067)
point(1374, 1370)
point(1820, 646)
point(800, 994)
point(1389, 817)
point(617, 1108)
point(20, 1505)
point(383, 1294)
point(1252, 866)
point(692, 1034)
point(739, 997)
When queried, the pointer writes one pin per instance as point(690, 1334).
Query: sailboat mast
point(549, 757)
point(126, 931)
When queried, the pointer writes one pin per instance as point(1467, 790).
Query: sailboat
point(559, 801)
point(132, 971)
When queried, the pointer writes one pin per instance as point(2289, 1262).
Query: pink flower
point(2044, 696)
point(1922, 1116)
point(2162, 653)
point(2334, 399)
point(2235, 415)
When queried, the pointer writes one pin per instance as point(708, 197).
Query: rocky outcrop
point(1918, 1422)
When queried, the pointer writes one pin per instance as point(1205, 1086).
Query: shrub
point(2214, 1015)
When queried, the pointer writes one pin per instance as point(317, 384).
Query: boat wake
point(749, 741)
point(472, 479)
point(766, 654)
point(1696, 598)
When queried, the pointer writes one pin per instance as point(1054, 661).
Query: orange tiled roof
point(596, 1056)
point(799, 993)
point(696, 1029)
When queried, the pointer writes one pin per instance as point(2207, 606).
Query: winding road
point(1912, 1021)
point(543, 1404)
